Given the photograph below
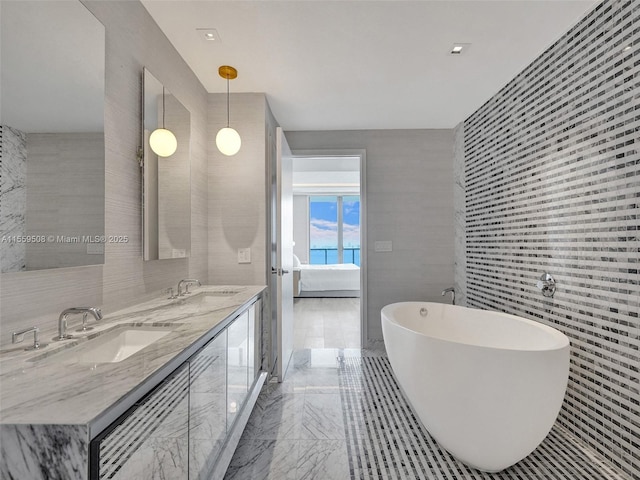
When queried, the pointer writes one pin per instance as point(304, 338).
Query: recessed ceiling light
point(627, 48)
point(459, 48)
point(209, 34)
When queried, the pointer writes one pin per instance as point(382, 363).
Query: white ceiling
point(349, 64)
point(339, 174)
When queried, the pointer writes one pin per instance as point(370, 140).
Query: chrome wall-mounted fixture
point(162, 141)
point(547, 284)
point(228, 140)
point(452, 291)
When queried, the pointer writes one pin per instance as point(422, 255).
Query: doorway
point(329, 244)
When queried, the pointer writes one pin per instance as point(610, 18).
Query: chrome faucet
point(186, 282)
point(17, 337)
point(452, 291)
point(62, 320)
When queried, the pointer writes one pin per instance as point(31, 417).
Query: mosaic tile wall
point(552, 183)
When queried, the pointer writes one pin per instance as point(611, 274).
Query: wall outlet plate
point(95, 248)
point(244, 255)
point(383, 246)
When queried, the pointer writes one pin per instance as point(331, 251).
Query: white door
point(283, 249)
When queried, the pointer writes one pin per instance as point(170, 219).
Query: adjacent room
point(326, 251)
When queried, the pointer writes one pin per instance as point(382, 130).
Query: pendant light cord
point(227, 101)
point(163, 109)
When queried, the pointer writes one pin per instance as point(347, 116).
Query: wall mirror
point(166, 179)
point(51, 135)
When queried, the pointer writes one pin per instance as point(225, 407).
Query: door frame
point(282, 251)
point(362, 153)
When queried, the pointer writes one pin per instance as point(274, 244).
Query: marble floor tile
point(264, 460)
point(279, 416)
point(320, 381)
point(326, 322)
point(322, 417)
point(368, 431)
point(322, 460)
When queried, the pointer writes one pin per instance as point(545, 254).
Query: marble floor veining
point(340, 415)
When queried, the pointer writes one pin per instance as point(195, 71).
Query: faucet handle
point(187, 282)
point(84, 327)
point(547, 284)
point(17, 337)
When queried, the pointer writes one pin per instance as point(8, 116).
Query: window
point(334, 229)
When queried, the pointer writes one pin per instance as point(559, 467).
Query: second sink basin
point(113, 346)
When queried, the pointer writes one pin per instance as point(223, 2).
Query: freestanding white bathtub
point(487, 386)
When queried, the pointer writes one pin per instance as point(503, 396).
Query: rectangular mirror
point(166, 179)
point(51, 135)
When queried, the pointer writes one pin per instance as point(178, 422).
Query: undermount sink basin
point(204, 296)
point(219, 293)
point(113, 346)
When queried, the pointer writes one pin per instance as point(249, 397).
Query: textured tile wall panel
point(552, 183)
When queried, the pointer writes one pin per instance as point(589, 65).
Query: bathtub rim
point(561, 341)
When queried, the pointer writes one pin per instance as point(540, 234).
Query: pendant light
point(227, 139)
point(162, 141)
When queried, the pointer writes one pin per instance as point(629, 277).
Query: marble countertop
point(37, 387)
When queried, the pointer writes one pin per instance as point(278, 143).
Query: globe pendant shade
point(228, 141)
point(163, 142)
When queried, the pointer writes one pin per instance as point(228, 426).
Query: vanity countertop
point(38, 388)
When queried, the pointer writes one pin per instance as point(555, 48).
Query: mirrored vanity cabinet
point(179, 430)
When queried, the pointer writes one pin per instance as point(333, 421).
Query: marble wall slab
point(459, 206)
point(13, 198)
point(63, 448)
point(552, 181)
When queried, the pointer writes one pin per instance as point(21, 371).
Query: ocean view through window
point(334, 229)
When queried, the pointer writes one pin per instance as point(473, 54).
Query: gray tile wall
point(409, 194)
point(552, 182)
point(63, 199)
point(237, 191)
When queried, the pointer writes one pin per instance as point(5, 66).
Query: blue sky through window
point(323, 228)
